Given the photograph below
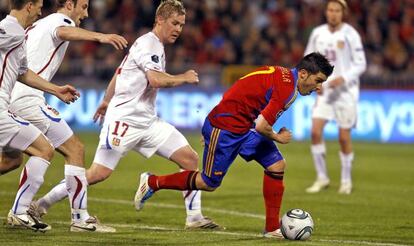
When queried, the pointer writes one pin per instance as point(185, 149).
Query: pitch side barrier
point(384, 115)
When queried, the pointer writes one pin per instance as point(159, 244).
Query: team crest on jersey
point(340, 44)
point(155, 58)
point(2, 31)
point(116, 141)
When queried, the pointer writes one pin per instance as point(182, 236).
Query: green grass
point(379, 212)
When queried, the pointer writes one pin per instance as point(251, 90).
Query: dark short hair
point(19, 4)
point(61, 3)
point(314, 63)
point(169, 7)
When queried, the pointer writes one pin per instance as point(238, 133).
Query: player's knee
point(46, 152)
point(277, 167)
point(316, 135)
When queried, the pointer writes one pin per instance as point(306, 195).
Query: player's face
point(80, 11)
point(334, 14)
point(172, 27)
point(308, 83)
point(35, 11)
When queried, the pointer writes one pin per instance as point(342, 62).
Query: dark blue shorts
point(222, 147)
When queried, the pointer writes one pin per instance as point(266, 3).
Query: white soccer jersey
point(344, 50)
point(134, 98)
point(45, 53)
point(12, 58)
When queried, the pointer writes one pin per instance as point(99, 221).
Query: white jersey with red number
point(344, 50)
point(12, 58)
point(45, 53)
point(134, 98)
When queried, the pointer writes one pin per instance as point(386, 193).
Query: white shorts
point(344, 115)
point(48, 121)
point(16, 133)
point(117, 138)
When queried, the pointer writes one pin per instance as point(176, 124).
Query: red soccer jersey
point(269, 91)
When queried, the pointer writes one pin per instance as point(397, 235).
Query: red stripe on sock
point(78, 189)
point(24, 178)
point(272, 193)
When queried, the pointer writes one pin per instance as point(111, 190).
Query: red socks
point(272, 192)
point(177, 181)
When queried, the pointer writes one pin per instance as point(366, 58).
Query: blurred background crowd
point(225, 32)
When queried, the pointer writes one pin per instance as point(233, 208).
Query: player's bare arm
point(164, 80)
point(101, 110)
point(69, 33)
point(262, 126)
point(66, 93)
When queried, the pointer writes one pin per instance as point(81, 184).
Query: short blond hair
point(169, 7)
point(341, 2)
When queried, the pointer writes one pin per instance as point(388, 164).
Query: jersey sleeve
point(149, 56)
point(311, 46)
point(23, 65)
point(59, 21)
point(358, 61)
point(273, 110)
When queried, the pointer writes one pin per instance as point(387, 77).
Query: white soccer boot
point(345, 188)
point(277, 234)
point(144, 192)
point(204, 223)
point(318, 185)
point(26, 221)
point(92, 224)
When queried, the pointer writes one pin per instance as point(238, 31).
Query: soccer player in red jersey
point(241, 124)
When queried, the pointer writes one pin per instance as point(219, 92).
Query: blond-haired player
point(131, 121)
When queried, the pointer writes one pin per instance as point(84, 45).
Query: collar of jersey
point(295, 76)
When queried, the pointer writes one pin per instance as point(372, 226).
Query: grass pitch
point(380, 211)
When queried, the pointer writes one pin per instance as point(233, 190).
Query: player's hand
point(283, 136)
point(67, 93)
point(191, 77)
point(100, 112)
point(118, 42)
point(336, 82)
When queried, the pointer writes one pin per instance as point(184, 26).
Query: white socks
point(192, 201)
point(56, 194)
point(31, 179)
point(346, 164)
point(76, 186)
point(319, 154)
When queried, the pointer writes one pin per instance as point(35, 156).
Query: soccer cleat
point(274, 234)
point(26, 221)
point(36, 211)
point(345, 188)
point(144, 192)
point(205, 223)
point(318, 185)
point(92, 224)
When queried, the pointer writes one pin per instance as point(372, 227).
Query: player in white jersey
point(338, 100)
point(47, 41)
point(131, 121)
point(16, 133)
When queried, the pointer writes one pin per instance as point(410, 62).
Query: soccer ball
point(296, 224)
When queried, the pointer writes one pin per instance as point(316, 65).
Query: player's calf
point(10, 160)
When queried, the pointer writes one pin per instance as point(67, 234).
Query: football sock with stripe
point(76, 186)
point(31, 179)
point(192, 200)
point(178, 181)
point(318, 154)
point(272, 192)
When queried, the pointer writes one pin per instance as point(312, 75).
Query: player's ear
point(303, 74)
